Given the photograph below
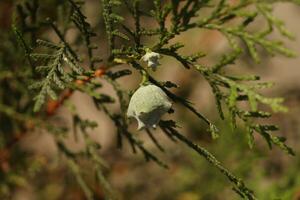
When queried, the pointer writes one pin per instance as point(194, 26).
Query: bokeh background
point(270, 173)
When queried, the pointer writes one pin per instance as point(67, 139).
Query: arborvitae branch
point(61, 37)
point(133, 141)
point(58, 65)
point(85, 28)
point(239, 185)
point(56, 77)
point(111, 19)
point(23, 44)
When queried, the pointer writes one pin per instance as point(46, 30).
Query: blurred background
point(270, 173)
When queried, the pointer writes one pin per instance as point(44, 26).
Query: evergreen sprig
point(56, 75)
point(232, 21)
point(238, 91)
point(240, 187)
point(85, 28)
point(112, 19)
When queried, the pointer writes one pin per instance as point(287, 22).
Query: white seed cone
point(152, 59)
point(147, 105)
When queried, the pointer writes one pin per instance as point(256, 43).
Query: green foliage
point(54, 66)
point(55, 75)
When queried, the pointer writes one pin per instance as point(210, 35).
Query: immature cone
point(152, 59)
point(147, 105)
